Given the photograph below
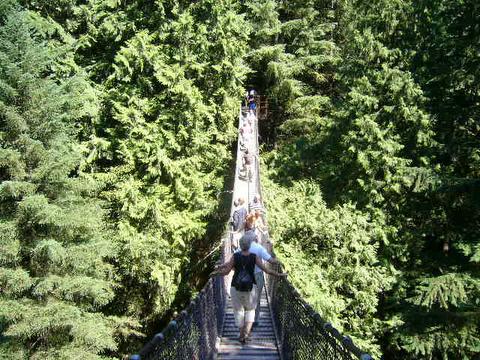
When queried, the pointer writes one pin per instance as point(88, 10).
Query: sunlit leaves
point(53, 292)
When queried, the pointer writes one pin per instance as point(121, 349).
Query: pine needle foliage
point(332, 256)
point(168, 80)
point(53, 240)
point(116, 120)
point(374, 103)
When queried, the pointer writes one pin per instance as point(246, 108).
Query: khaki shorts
point(244, 303)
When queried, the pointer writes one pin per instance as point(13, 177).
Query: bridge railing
point(301, 332)
point(193, 334)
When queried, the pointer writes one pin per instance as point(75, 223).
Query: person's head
point(252, 234)
point(250, 221)
point(240, 201)
point(246, 151)
point(256, 198)
point(252, 92)
point(235, 202)
point(245, 242)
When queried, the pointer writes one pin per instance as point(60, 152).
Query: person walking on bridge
point(246, 131)
point(252, 106)
point(238, 221)
point(264, 255)
point(256, 204)
point(247, 162)
point(243, 292)
point(254, 222)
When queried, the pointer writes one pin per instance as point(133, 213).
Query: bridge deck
point(262, 343)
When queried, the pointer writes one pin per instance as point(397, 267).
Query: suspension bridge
point(289, 328)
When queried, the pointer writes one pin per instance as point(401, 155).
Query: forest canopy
point(116, 129)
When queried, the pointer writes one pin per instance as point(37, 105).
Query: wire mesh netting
point(194, 333)
point(302, 333)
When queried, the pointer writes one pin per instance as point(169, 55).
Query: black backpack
point(244, 278)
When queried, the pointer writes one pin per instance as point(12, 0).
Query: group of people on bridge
point(248, 230)
point(247, 142)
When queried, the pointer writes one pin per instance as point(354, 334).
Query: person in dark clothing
point(244, 299)
point(252, 106)
point(239, 215)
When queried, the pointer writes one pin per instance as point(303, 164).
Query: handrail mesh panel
point(302, 333)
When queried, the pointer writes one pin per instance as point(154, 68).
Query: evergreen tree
point(53, 241)
point(168, 77)
point(438, 295)
point(172, 94)
point(389, 142)
point(332, 258)
point(376, 103)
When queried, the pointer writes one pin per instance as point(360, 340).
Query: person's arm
point(265, 255)
point(274, 260)
point(261, 226)
point(259, 263)
point(223, 269)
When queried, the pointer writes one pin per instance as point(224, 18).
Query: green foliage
point(171, 98)
point(115, 128)
point(53, 273)
point(332, 256)
point(166, 84)
point(386, 122)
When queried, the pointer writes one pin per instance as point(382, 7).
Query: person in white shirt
point(256, 204)
point(243, 294)
point(238, 221)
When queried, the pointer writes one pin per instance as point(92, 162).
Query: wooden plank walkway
point(262, 344)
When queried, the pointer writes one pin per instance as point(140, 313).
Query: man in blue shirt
point(262, 253)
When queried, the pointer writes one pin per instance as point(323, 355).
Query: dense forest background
point(116, 127)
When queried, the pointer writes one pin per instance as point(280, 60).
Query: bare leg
point(247, 328)
point(260, 280)
point(242, 334)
